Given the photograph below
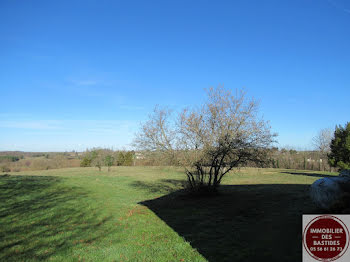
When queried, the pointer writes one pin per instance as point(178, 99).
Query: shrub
point(120, 159)
point(5, 169)
point(85, 162)
point(109, 161)
point(9, 158)
point(128, 158)
point(340, 148)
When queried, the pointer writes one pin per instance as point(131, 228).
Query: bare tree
point(224, 133)
point(322, 140)
point(157, 136)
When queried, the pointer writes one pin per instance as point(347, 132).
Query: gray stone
point(325, 192)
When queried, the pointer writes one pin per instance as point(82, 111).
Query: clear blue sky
point(78, 74)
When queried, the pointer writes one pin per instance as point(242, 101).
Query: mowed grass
point(142, 214)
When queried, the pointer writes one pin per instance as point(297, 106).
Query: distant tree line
point(25, 161)
point(106, 157)
point(9, 158)
point(302, 160)
point(17, 161)
point(331, 153)
point(279, 158)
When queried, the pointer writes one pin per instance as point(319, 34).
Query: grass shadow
point(243, 223)
point(307, 174)
point(41, 218)
point(160, 186)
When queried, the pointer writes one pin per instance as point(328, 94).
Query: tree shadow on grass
point(162, 186)
point(307, 174)
point(41, 217)
point(243, 223)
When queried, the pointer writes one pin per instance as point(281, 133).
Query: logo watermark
point(326, 238)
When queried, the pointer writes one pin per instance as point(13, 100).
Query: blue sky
point(79, 74)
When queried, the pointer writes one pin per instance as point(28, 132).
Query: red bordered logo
point(326, 238)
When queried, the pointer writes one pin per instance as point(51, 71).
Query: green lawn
point(141, 214)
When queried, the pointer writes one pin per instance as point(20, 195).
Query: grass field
point(141, 214)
